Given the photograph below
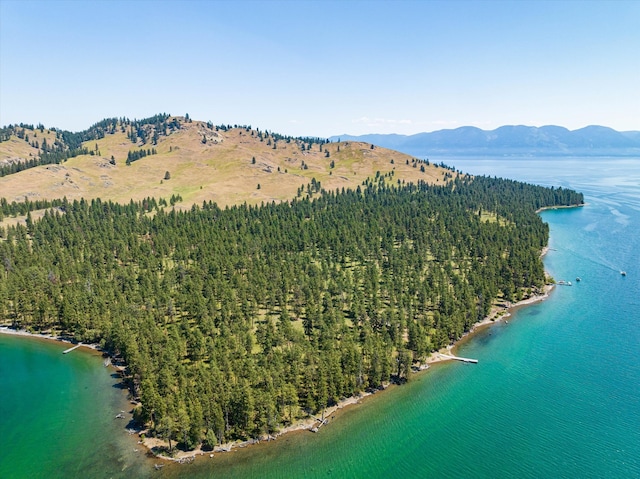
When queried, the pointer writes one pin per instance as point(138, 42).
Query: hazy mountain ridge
point(512, 140)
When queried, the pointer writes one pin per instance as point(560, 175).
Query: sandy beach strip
point(561, 207)
point(6, 329)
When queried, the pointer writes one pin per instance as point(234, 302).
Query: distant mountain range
point(511, 141)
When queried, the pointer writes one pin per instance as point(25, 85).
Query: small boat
point(578, 279)
point(623, 273)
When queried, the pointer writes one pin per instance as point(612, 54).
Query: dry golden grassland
point(220, 170)
point(16, 149)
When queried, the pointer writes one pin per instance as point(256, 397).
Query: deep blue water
point(556, 392)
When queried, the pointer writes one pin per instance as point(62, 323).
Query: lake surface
point(57, 414)
point(556, 392)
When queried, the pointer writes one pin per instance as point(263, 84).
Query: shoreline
point(312, 424)
point(502, 313)
point(498, 313)
point(560, 207)
point(8, 330)
point(91, 348)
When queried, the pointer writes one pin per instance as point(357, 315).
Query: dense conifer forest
point(235, 322)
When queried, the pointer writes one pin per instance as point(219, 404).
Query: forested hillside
point(236, 321)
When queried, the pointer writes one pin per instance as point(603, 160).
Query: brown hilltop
point(22, 149)
point(204, 163)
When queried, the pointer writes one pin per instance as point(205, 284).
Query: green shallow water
point(556, 392)
point(57, 413)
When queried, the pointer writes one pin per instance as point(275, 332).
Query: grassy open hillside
point(17, 149)
point(228, 166)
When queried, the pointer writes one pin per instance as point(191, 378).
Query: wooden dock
point(457, 358)
point(321, 422)
point(71, 349)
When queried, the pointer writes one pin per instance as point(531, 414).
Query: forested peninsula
point(236, 322)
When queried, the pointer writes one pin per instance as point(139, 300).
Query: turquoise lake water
point(556, 392)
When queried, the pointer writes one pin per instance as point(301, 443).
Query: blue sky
point(323, 68)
